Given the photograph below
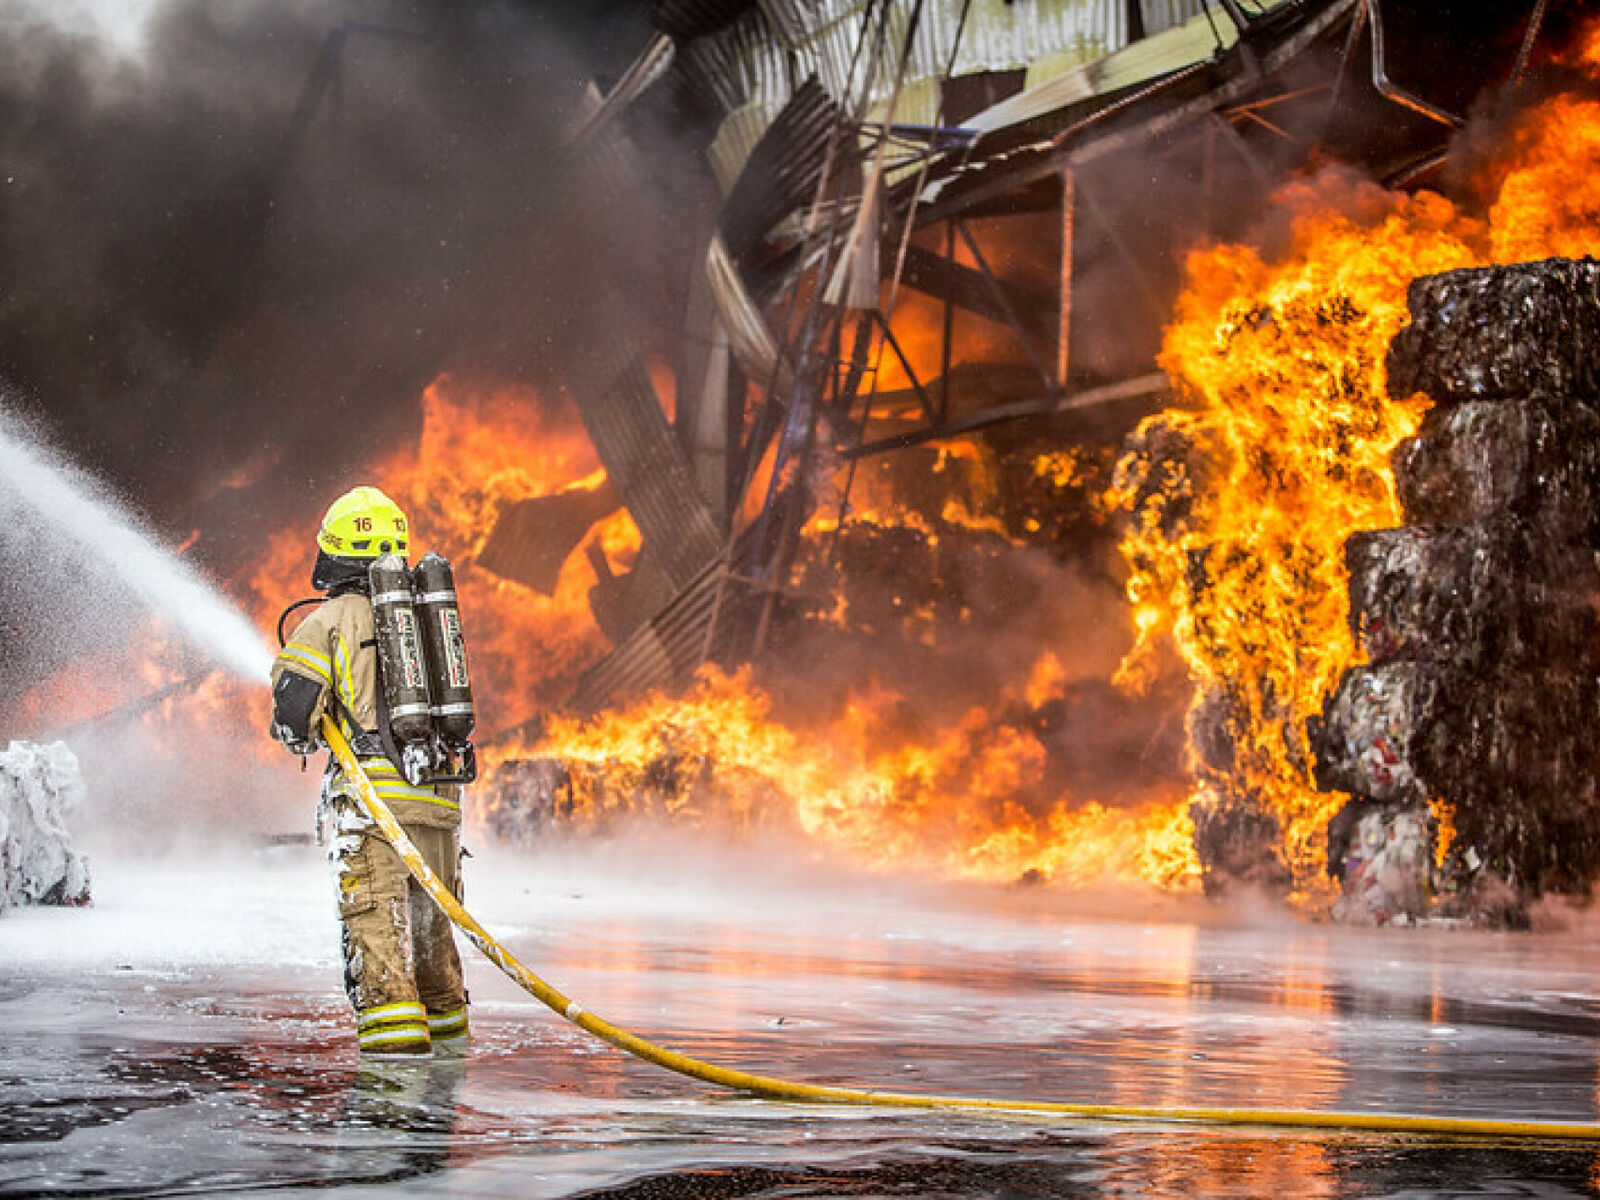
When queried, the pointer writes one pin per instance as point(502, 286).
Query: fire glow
point(480, 450)
point(1243, 498)
point(950, 806)
point(1235, 553)
point(1280, 365)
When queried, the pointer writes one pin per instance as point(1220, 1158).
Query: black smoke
point(230, 264)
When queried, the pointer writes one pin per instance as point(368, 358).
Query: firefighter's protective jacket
point(334, 651)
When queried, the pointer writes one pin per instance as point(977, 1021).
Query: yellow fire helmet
point(363, 523)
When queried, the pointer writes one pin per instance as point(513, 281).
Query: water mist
point(72, 506)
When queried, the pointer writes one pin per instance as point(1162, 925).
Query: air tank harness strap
point(294, 607)
point(784, 1089)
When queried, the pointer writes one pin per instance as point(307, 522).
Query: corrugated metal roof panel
point(783, 170)
point(662, 652)
point(622, 413)
point(736, 140)
point(754, 65)
point(1166, 52)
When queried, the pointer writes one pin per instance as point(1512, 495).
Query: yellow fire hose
point(784, 1089)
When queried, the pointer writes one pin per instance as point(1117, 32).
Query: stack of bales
point(1478, 617)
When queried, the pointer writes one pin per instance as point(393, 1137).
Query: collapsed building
point(976, 157)
point(961, 223)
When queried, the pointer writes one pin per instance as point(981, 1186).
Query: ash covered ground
point(187, 1035)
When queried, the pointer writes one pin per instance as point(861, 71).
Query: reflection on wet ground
point(152, 1050)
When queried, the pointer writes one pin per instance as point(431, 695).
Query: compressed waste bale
point(1517, 760)
point(1386, 860)
point(1483, 461)
point(1510, 754)
point(1165, 466)
point(524, 798)
point(1406, 730)
point(1478, 596)
point(1365, 739)
point(1214, 725)
point(1236, 838)
point(1479, 618)
point(1520, 332)
point(1383, 856)
point(40, 785)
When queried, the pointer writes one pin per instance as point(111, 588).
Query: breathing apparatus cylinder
point(401, 660)
point(440, 617)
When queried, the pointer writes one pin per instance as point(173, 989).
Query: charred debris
point(1026, 175)
point(1017, 184)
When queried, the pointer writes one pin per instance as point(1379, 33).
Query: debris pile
point(39, 786)
point(1467, 740)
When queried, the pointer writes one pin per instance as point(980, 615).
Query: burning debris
point(1269, 501)
point(1241, 503)
point(934, 696)
point(39, 786)
point(1243, 497)
point(1470, 728)
point(900, 270)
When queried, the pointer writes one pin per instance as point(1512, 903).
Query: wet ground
point(186, 1036)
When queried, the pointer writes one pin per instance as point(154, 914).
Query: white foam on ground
point(157, 914)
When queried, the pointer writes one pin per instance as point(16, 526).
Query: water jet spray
point(74, 507)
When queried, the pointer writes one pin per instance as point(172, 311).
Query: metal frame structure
point(841, 208)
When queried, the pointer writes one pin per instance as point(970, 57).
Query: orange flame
point(1236, 547)
point(972, 802)
point(479, 452)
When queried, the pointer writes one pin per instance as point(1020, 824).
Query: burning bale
point(1472, 719)
point(523, 799)
point(39, 786)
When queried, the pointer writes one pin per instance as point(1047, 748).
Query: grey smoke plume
point(229, 266)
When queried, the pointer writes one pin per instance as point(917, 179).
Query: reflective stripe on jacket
point(334, 647)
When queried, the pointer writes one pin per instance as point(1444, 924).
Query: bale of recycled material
point(1521, 332)
point(1383, 857)
point(1479, 618)
point(40, 786)
point(523, 799)
point(1236, 838)
point(1508, 751)
point(1215, 724)
point(1368, 737)
point(1516, 758)
point(1482, 596)
point(1482, 462)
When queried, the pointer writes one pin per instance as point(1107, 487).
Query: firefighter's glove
point(295, 700)
point(293, 743)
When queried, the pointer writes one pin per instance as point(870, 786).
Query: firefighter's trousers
point(401, 968)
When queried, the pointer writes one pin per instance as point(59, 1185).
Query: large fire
point(1243, 499)
point(481, 450)
point(1241, 502)
point(962, 803)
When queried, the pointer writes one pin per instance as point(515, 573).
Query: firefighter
point(401, 969)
